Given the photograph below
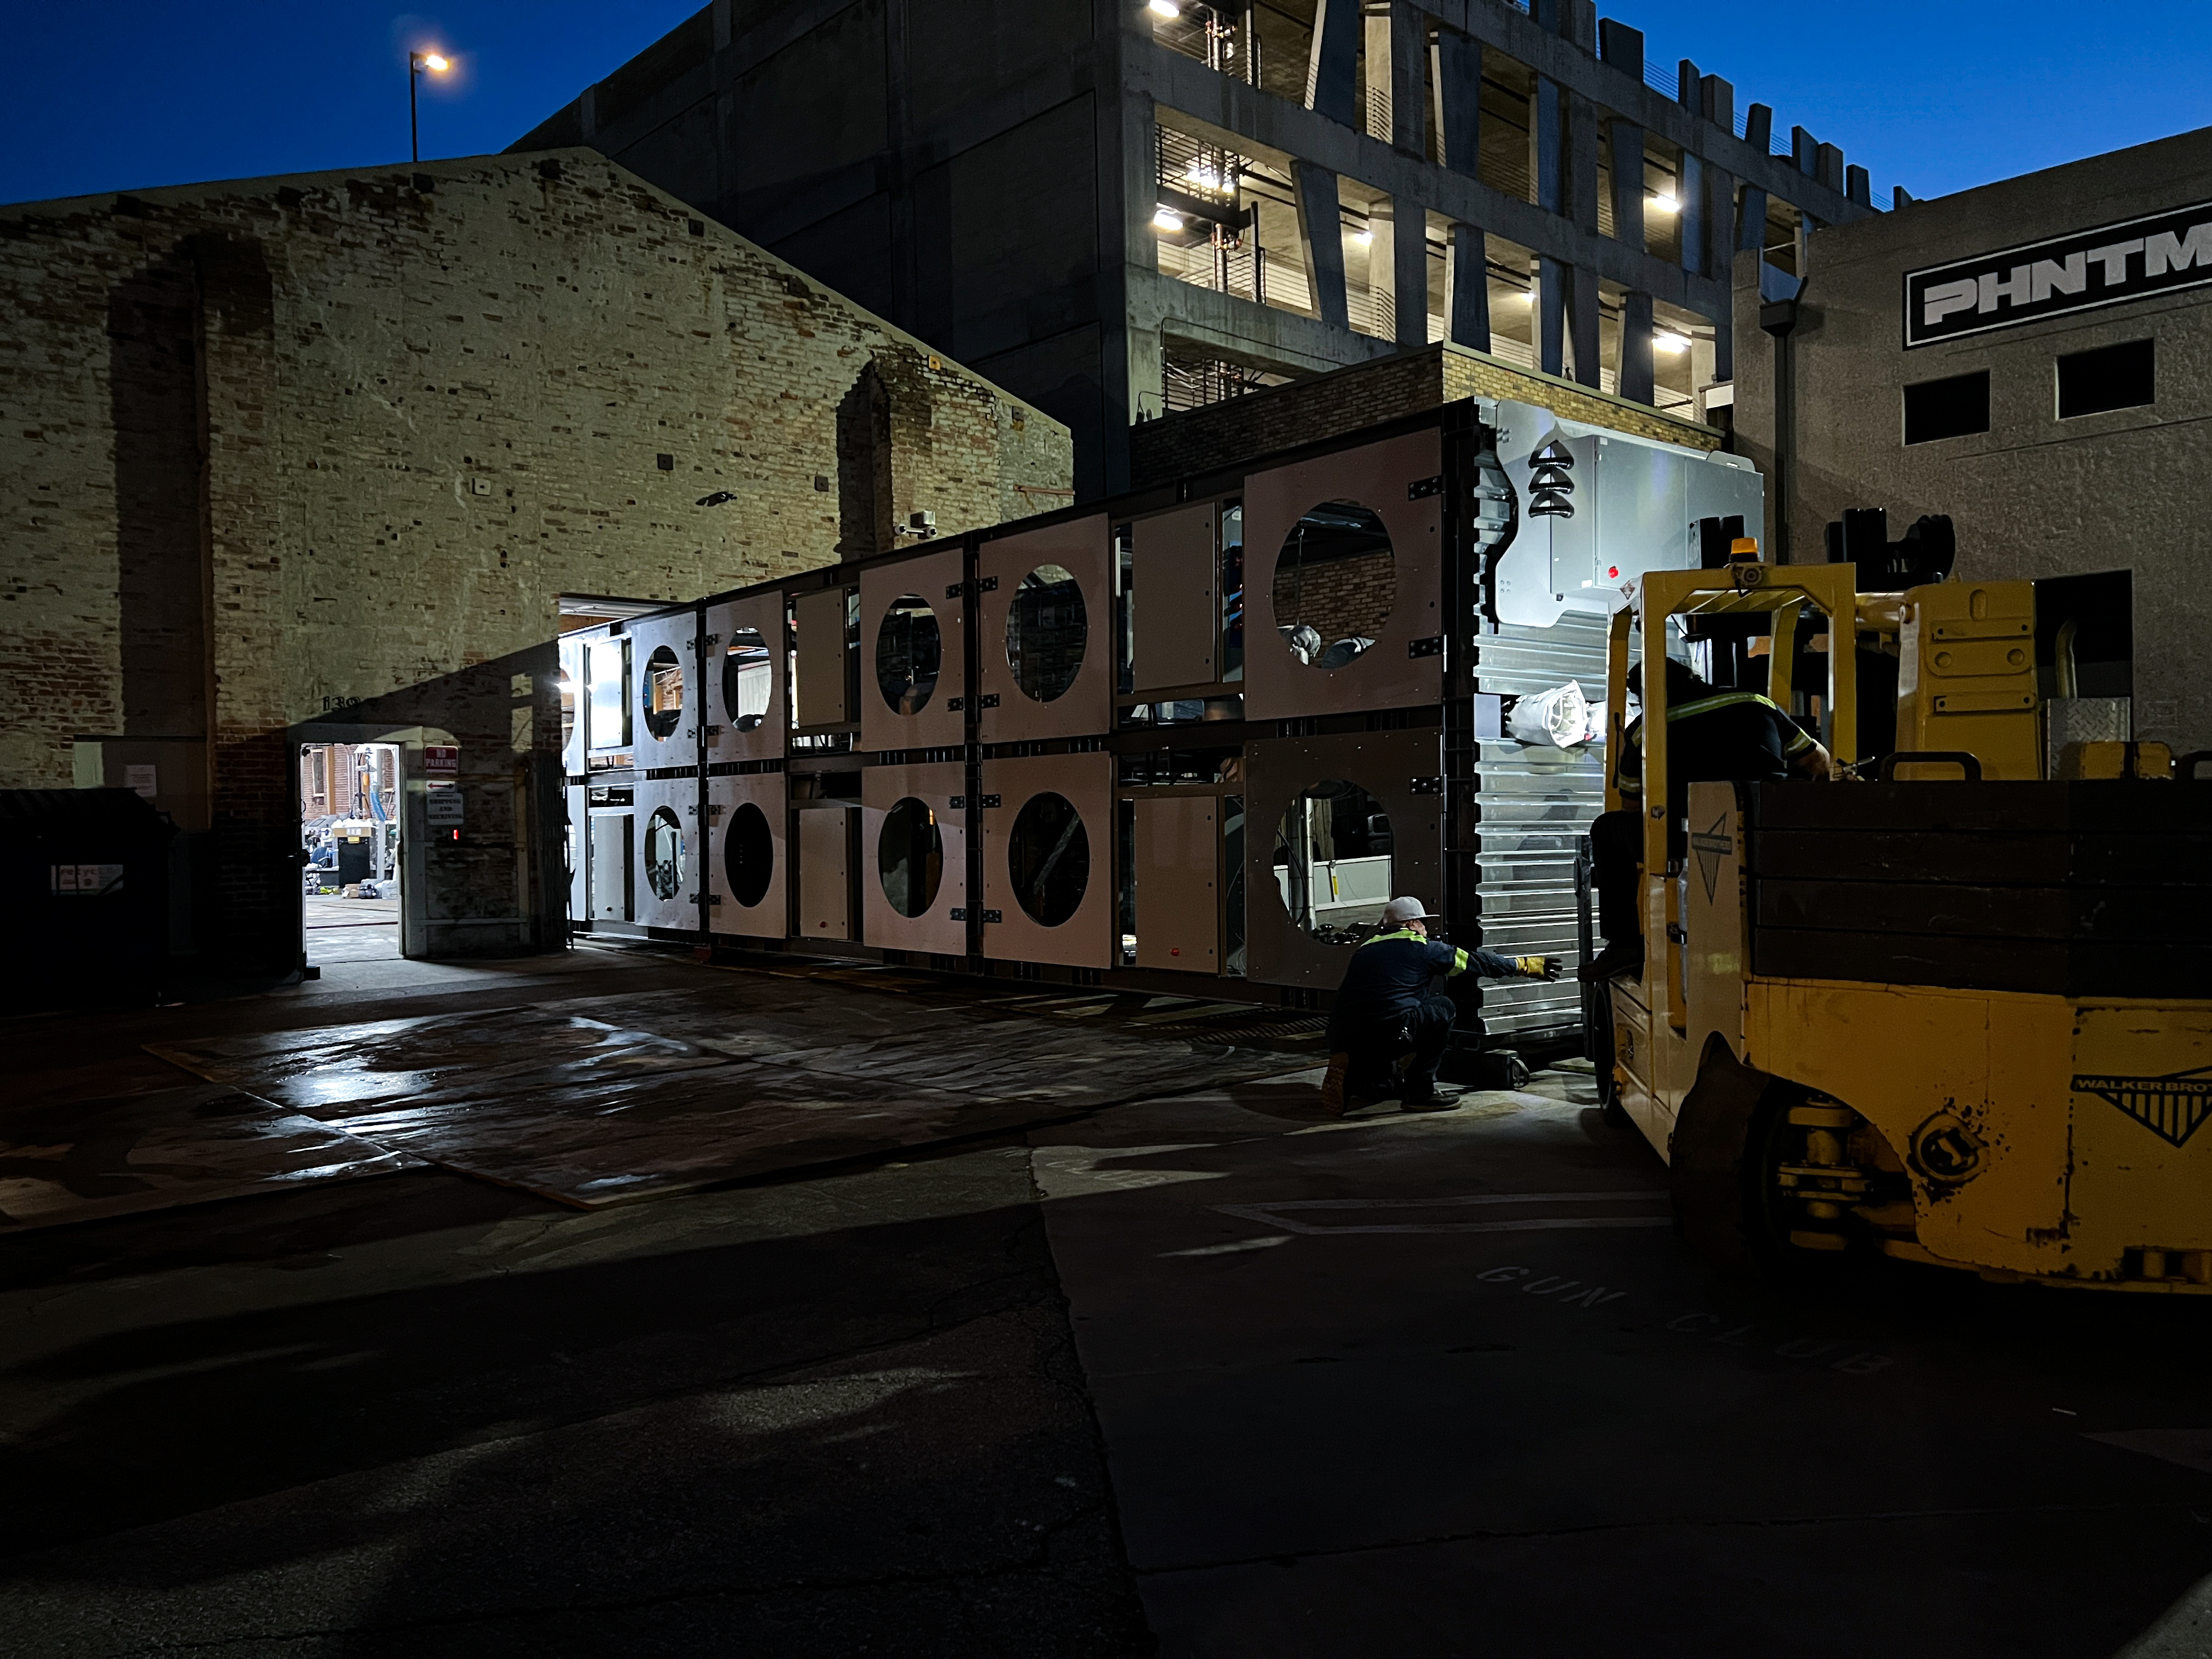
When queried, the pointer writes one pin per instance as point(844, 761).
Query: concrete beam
point(1466, 284)
point(1627, 160)
point(1321, 232)
point(1583, 324)
point(1332, 65)
point(1636, 379)
point(1409, 48)
point(1457, 72)
point(1409, 245)
point(1552, 281)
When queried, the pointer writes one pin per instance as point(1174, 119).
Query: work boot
point(1620, 957)
point(1332, 1096)
point(1427, 1101)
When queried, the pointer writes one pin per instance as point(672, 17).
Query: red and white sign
point(441, 760)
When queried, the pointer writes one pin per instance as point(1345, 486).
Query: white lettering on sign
point(441, 760)
point(87, 880)
point(2061, 274)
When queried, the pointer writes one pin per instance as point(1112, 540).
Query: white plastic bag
point(1558, 717)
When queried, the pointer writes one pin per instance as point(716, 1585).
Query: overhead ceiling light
point(1203, 176)
point(1527, 296)
point(1664, 202)
point(1363, 237)
point(1671, 342)
point(1166, 8)
point(1166, 218)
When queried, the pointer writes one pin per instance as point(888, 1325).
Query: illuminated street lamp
point(437, 63)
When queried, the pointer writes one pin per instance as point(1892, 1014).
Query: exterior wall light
point(1663, 202)
point(1166, 218)
point(1670, 343)
point(1166, 8)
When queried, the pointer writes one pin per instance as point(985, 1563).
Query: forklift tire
point(1597, 1019)
point(1717, 1162)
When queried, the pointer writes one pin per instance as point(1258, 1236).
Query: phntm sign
point(2109, 266)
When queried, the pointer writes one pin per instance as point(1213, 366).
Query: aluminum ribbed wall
point(1533, 801)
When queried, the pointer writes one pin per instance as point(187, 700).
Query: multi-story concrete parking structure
point(1189, 739)
point(1121, 209)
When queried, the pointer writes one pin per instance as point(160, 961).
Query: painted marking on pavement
point(1273, 1215)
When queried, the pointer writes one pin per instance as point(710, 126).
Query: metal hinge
point(1425, 786)
point(952, 590)
point(1421, 487)
point(960, 803)
point(991, 915)
point(956, 703)
point(987, 802)
point(988, 700)
point(986, 584)
point(711, 639)
point(960, 915)
point(714, 899)
point(1674, 930)
point(712, 730)
point(1433, 645)
point(714, 809)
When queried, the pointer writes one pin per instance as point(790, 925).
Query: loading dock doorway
point(349, 837)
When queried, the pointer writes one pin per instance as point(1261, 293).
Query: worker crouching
point(1390, 1030)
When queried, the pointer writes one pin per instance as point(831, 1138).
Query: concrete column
point(1622, 47)
point(1720, 218)
point(1409, 54)
point(1580, 142)
point(1859, 186)
point(1456, 67)
point(1751, 218)
point(1583, 324)
point(1690, 194)
point(1467, 289)
point(1376, 39)
point(1828, 167)
point(1552, 280)
point(1333, 66)
point(1547, 112)
point(1321, 234)
point(1382, 269)
point(1627, 159)
point(1410, 245)
point(1636, 380)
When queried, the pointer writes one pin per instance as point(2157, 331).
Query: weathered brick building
point(287, 450)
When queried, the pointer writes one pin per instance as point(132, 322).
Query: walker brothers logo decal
point(2170, 1107)
point(2132, 260)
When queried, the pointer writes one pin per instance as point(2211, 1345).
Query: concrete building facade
point(1123, 209)
point(323, 458)
point(2033, 358)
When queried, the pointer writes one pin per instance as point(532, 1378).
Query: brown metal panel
point(942, 927)
point(665, 704)
point(823, 691)
point(1383, 477)
point(743, 814)
point(1175, 607)
point(1176, 873)
point(733, 691)
point(936, 720)
point(665, 853)
point(1401, 769)
point(1011, 933)
point(825, 869)
point(1009, 714)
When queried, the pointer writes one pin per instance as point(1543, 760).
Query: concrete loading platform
point(1203, 1373)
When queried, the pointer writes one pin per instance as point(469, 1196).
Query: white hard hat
point(1399, 911)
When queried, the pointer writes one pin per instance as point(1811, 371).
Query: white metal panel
point(608, 865)
point(927, 715)
point(606, 705)
point(748, 813)
point(578, 852)
point(665, 702)
point(665, 853)
point(1010, 714)
point(1011, 933)
point(825, 831)
point(572, 705)
point(942, 927)
point(748, 716)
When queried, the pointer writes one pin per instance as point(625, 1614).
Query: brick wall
point(1228, 435)
point(1337, 598)
point(280, 447)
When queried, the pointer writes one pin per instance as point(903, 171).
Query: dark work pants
point(1424, 1034)
point(1616, 845)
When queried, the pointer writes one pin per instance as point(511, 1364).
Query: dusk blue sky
point(1934, 94)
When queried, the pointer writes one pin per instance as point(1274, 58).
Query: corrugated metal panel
point(1532, 802)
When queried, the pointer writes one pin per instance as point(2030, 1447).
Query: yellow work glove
point(1538, 966)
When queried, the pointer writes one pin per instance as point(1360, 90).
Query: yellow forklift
point(1957, 1009)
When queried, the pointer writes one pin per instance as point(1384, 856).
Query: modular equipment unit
point(1189, 742)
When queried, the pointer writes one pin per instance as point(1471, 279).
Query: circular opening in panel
point(1335, 581)
point(567, 686)
point(1048, 858)
point(663, 692)
point(910, 857)
point(910, 650)
point(663, 853)
point(1332, 862)
point(748, 856)
point(1047, 629)
point(747, 675)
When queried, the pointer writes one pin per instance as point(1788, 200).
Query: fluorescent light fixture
point(1663, 202)
point(1670, 343)
point(1166, 8)
point(1166, 218)
point(1363, 237)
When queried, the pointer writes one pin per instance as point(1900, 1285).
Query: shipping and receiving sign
point(2134, 259)
point(441, 807)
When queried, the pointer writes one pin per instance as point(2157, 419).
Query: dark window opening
point(1954, 408)
point(2123, 376)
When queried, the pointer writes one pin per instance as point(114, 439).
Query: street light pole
point(416, 62)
